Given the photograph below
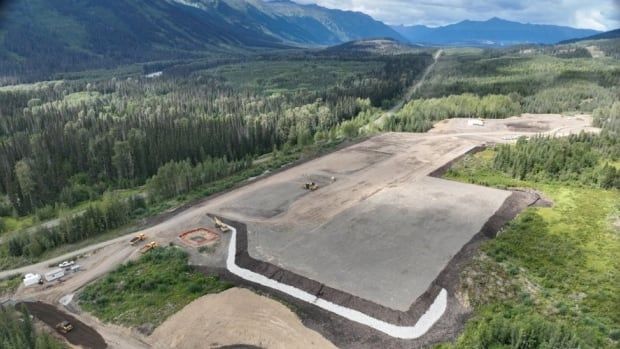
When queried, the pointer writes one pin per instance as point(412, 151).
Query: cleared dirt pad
point(382, 205)
point(235, 317)
point(406, 235)
point(81, 334)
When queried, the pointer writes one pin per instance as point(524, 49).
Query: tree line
point(419, 115)
point(96, 219)
point(582, 158)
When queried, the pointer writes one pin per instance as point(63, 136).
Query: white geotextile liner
point(424, 323)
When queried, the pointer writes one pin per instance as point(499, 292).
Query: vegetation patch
point(550, 279)
point(146, 292)
point(10, 284)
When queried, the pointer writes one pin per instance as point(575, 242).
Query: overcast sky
point(593, 14)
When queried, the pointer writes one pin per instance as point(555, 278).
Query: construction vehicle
point(64, 327)
point(137, 239)
point(220, 225)
point(311, 186)
point(151, 245)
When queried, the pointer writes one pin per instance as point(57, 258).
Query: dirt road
point(82, 334)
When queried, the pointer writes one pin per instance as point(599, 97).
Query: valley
point(280, 174)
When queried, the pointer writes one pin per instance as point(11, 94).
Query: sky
point(591, 14)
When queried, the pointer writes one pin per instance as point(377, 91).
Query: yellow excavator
point(64, 327)
point(220, 225)
point(311, 186)
point(138, 238)
point(151, 245)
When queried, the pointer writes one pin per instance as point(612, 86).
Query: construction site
point(369, 228)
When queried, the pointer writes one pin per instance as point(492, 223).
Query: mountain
point(612, 34)
point(302, 24)
point(42, 36)
point(493, 32)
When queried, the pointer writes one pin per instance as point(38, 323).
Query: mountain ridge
point(492, 32)
point(40, 36)
point(611, 34)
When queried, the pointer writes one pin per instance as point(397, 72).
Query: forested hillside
point(40, 38)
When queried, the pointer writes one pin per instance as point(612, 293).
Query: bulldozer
point(151, 245)
point(311, 186)
point(137, 239)
point(64, 327)
point(220, 225)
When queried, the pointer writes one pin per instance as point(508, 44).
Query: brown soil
point(82, 334)
point(236, 318)
point(200, 237)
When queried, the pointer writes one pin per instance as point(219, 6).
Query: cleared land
point(343, 220)
point(381, 205)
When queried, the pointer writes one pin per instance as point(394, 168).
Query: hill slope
point(612, 34)
point(42, 36)
point(493, 32)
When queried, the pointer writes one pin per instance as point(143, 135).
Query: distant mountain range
point(38, 37)
point(493, 32)
point(62, 35)
point(612, 34)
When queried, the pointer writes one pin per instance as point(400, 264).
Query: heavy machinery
point(137, 239)
point(311, 186)
point(151, 245)
point(64, 327)
point(220, 225)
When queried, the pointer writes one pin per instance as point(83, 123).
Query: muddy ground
point(82, 334)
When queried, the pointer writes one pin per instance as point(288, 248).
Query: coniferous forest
point(68, 141)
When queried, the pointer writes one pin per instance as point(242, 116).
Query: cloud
point(593, 14)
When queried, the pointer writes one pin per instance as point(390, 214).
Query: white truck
point(66, 265)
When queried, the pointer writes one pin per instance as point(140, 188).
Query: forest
point(579, 158)
point(69, 141)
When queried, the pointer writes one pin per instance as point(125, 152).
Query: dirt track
point(82, 334)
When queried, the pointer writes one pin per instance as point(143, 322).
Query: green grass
point(10, 284)
point(18, 223)
point(552, 277)
point(148, 291)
